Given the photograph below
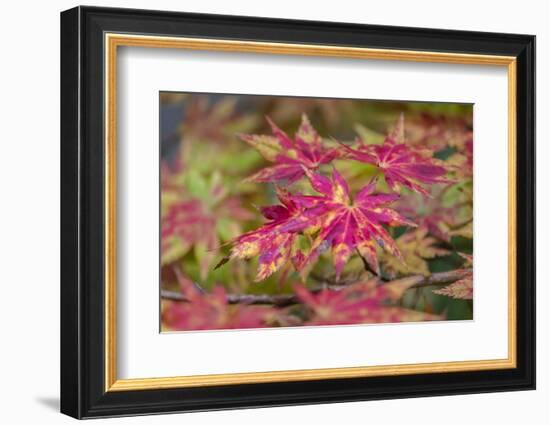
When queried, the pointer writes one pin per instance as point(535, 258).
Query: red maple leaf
point(402, 165)
point(273, 245)
point(345, 224)
point(211, 311)
point(306, 149)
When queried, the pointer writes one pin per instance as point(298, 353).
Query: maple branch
point(441, 278)
point(283, 300)
point(278, 300)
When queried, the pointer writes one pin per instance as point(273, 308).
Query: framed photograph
point(261, 212)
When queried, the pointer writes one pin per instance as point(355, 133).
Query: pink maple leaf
point(273, 245)
point(346, 224)
point(290, 155)
point(401, 164)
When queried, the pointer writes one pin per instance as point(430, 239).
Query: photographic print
point(288, 211)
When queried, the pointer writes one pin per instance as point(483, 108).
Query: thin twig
point(442, 278)
point(278, 300)
point(289, 299)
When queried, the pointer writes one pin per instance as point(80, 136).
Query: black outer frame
point(82, 212)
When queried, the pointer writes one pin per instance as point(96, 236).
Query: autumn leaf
point(401, 164)
point(365, 302)
point(462, 289)
point(274, 246)
point(212, 311)
point(415, 247)
point(345, 224)
point(290, 155)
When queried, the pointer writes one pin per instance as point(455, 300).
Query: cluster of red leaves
point(335, 219)
point(338, 223)
point(366, 302)
point(212, 311)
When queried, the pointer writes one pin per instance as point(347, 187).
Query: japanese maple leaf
point(290, 155)
point(401, 164)
point(212, 311)
point(462, 289)
point(272, 245)
point(345, 224)
point(416, 247)
point(364, 302)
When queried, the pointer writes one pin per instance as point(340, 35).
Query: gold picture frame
point(114, 41)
